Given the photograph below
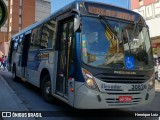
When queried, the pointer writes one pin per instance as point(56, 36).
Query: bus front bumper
point(86, 98)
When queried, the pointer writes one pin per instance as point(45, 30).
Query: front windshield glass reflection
point(115, 44)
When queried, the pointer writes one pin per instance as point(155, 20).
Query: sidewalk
point(9, 101)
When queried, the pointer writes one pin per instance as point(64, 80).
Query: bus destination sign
point(111, 13)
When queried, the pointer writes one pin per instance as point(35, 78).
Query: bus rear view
point(116, 57)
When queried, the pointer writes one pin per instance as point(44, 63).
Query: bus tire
point(46, 89)
point(14, 76)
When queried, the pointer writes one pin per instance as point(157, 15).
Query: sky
point(57, 4)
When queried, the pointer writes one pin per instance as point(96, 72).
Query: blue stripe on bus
point(33, 65)
point(79, 76)
point(33, 60)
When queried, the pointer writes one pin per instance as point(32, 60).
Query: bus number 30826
point(139, 87)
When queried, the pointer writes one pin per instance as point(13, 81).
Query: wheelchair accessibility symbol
point(129, 62)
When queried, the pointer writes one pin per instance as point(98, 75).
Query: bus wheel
point(46, 88)
point(14, 76)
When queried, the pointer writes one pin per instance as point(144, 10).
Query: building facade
point(4, 35)
point(150, 10)
point(21, 13)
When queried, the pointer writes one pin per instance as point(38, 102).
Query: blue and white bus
point(89, 55)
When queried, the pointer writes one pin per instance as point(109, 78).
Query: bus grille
point(114, 78)
point(115, 102)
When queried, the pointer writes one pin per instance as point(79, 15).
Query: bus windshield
point(115, 44)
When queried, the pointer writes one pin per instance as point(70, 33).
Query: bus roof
point(71, 6)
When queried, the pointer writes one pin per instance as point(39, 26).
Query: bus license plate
point(125, 98)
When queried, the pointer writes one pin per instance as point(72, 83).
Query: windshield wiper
point(129, 45)
point(111, 35)
point(135, 27)
point(106, 24)
point(132, 35)
point(110, 31)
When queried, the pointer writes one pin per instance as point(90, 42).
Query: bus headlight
point(89, 80)
point(91, 83)
point(151, 83)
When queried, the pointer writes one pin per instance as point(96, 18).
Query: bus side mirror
point(77, 24)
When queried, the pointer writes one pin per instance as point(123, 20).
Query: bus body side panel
point(16, 61)
point(54, 72)
point(19, 68)
point(33, 62)
point(36, 65)
point(32, 77)
point(48, 64)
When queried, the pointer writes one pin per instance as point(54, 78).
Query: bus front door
point(64, 55)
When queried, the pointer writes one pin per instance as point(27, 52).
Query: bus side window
point(15, 44)
point(48, 34)
point(44, 37)
point(35, 38)
point(20, 44)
